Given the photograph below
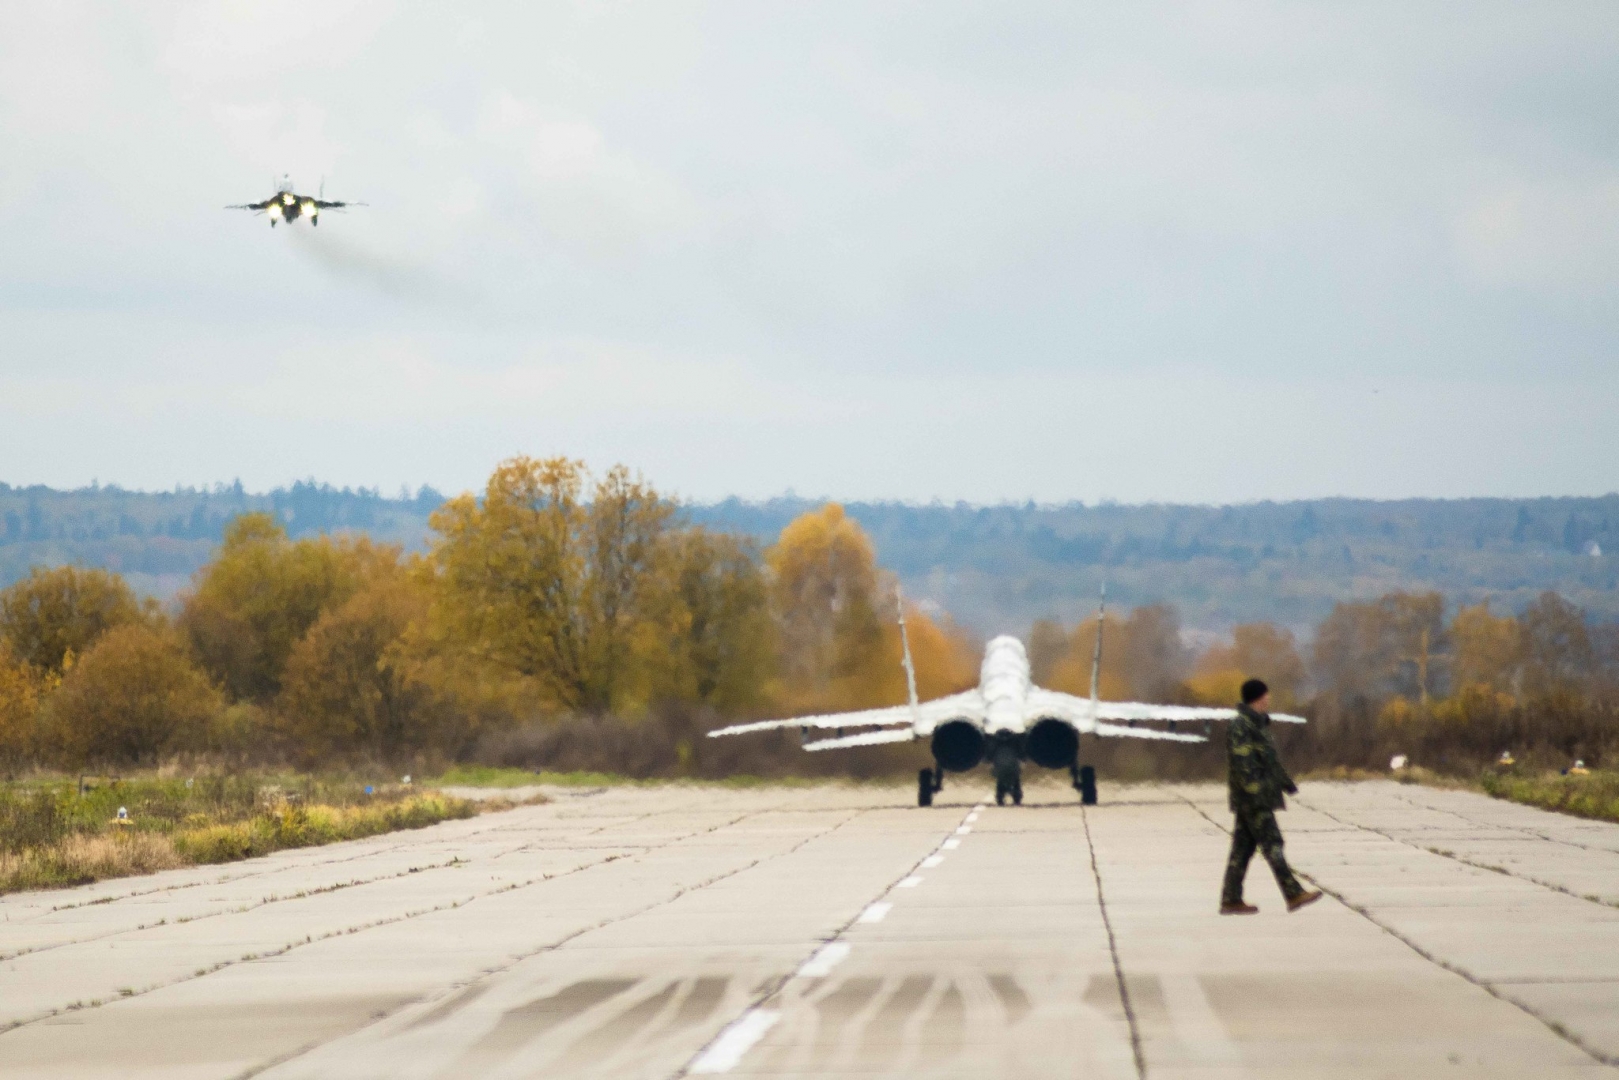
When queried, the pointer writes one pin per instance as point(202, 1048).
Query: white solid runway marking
point(828, 957)
point(911, 882)
point(931, 861)
point(876, 912)
point(950, 844)
point(735, 1041)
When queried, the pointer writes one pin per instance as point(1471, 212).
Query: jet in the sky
point(287, 205)
point(1005, 721)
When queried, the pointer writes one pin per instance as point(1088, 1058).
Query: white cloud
point(945, 249)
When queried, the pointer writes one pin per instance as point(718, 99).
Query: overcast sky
point(984, 251)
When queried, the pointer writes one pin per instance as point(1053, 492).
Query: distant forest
point(992, 568)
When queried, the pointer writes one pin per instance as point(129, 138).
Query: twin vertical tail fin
point(910, 668)
point(1096, 657)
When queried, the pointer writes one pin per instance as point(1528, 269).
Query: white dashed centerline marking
point(821, 964)
point(963, 830)
point(910, 883)
point(727, 1050)
point(931, 861)
point(950, 844)
point(876, 912)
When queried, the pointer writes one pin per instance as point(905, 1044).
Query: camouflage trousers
point(1256, 828)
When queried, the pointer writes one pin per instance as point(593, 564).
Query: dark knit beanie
point(1253, 690)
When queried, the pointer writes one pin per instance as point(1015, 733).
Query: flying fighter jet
point(287, 205)
point(1007, 720)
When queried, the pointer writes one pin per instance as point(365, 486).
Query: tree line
point(554, 594)
point(562, 617)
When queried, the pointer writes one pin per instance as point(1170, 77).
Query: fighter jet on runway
point(1007, 720)
point(287, 205)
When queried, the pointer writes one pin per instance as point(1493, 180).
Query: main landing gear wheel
point(1085, 783)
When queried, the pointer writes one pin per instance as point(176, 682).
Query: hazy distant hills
point(994, 568)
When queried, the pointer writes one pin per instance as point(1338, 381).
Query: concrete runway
point(812, 932)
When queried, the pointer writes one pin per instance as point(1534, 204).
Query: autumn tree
point(1486, 649)
point(132, 697)
point(22, 685)
point(1386, 647)
point(1556, 647)
point(1048, 642)
point(553, 577)
point(262, 593)
point(54, 614)
point(838, 622)
point(350, 688)
point(719, 638)
point(1143, 657)
point(1257, 650)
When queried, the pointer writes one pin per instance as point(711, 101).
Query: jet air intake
point(1052, 744)
point(958, 745)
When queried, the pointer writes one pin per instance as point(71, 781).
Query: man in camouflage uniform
point(1257, 782)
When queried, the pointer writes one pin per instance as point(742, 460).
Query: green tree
point(55, 614)
point(721, 637)
point(134, 696)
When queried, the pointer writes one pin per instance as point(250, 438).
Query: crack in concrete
point(1483, 984)
point(1113, 948)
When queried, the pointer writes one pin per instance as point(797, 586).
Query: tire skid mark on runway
point(557, 943)
point(1113, 950)
point(1464, 860)
point(774, 988)
point(1489, 987)
point(357, 928)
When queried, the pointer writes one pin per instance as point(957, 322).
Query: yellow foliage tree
point(1257, 650)
point(1142, 657)
point(350, 689)
point(839, 632)
point(1485, 649)
point(263, 592)
point(54, 614)
point(22, 685)
point(133, 696)
point(553, 578)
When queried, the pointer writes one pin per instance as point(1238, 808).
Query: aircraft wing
point(928, 715)
point(865, 738)
point(1136, 710)
point(323, 204)
point(260, 207)
point(1077, 711)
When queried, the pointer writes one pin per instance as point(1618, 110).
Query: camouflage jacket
point(1256, 777)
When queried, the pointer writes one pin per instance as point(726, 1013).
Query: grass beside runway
point(1595, 795)
point(57, 832)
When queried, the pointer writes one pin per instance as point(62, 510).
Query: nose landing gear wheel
point(924, 788)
